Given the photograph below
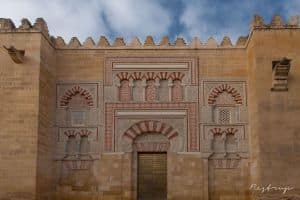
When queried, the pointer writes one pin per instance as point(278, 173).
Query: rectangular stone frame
point(190, 61)
point(191, 108)
point(202, 90)
point(74, 83)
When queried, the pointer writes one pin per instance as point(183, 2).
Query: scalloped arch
point(227, 131)
point(153, 126)
point(65, 99)
point(225, 88)
point(82, 132)
point(176, 76)
point(123, 76)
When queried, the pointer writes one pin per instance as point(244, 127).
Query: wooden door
point(152, 176)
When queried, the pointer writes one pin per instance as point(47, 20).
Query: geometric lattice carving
point(69, 94)
point(151, 91)
point(150, 126)
point(217, 91)
point(224, 116)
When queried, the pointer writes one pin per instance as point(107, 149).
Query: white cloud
point(83, 18)
point(65, 18)
point(206, 19)
point(137, 18)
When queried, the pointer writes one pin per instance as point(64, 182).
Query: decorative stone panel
point(150, 126)
point(87, 92)
point(77, 104)
point(150, 136)
point(223, 102)
point(235, 90)
point(65, 132)
point(146, 86)
point(224, 139)
point(111, 120)
point(150, 76)
point(92, 133)
point(130, 126)
point(187, 65)
point(151, 91)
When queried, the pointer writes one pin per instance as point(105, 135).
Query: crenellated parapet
point(40, 25)
point(149, 42)
point(276, 23)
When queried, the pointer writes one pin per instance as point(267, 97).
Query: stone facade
point(74, 117)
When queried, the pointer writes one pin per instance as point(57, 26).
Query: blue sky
point(129, 18)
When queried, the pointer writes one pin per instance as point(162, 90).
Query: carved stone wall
point(192, 99)
point(77, 102)
point(147, 78)
point(150, 85)
point(224, 136)
point(185, 119)
point(224, 116)
point(78, 140)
